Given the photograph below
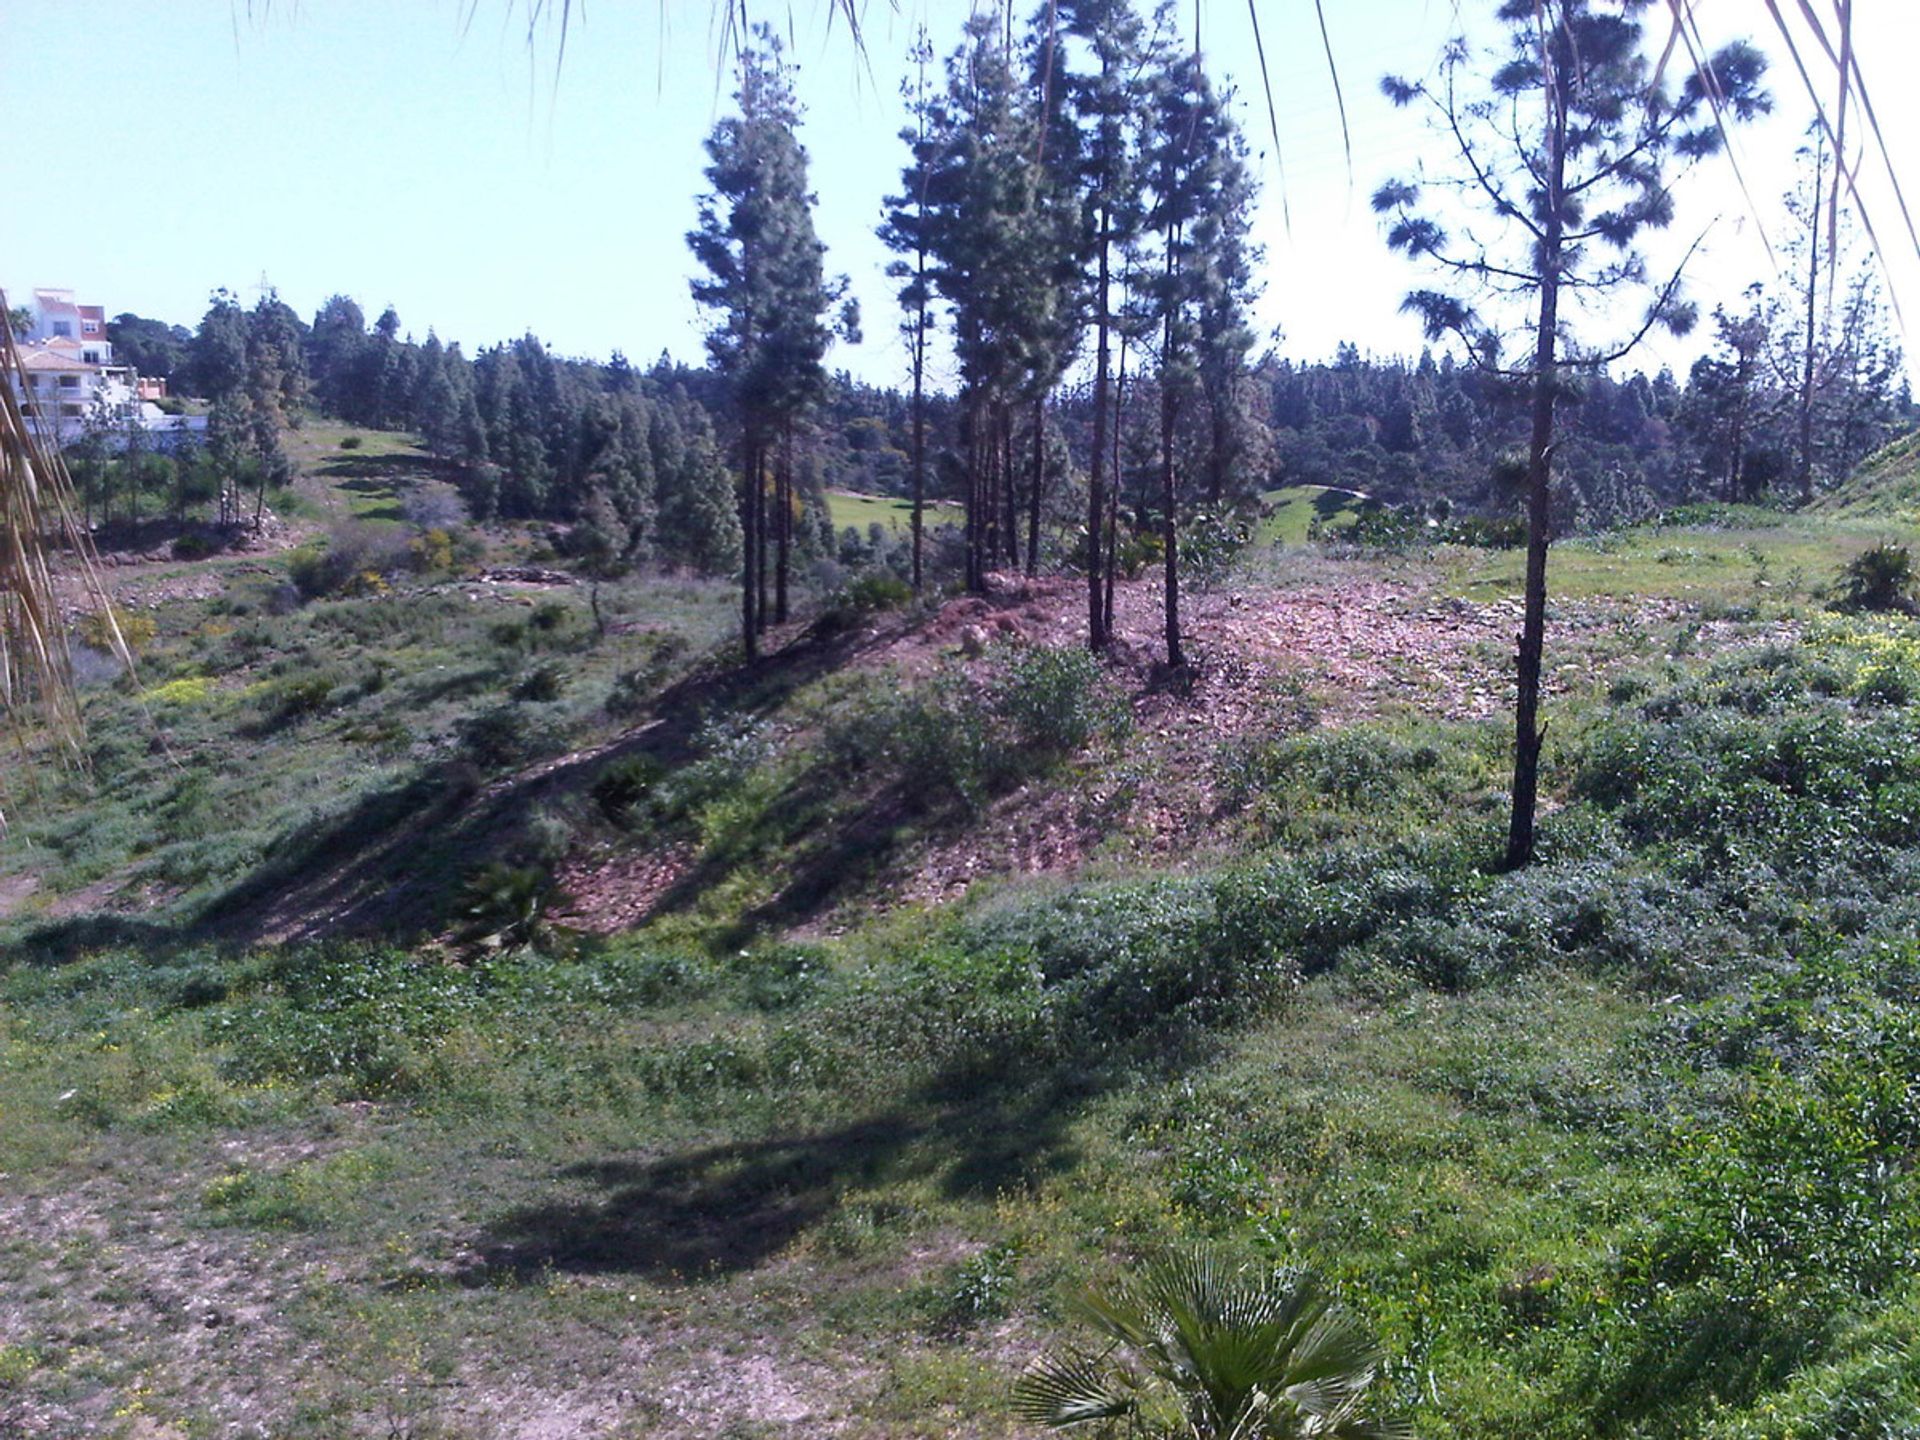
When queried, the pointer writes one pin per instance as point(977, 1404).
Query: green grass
point(862, 511)
point(1293, 509)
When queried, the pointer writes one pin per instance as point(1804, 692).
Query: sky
point(422, 153)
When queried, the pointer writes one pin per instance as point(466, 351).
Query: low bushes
point(958, 739)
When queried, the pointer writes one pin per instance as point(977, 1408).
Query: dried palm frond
point(37, 517)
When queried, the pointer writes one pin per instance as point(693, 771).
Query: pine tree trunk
point(1096, 490)
point(1527, 731)
point(1170, 529)
point(990, 490)
point(783, 524)
point(1113, 489)
point(1169, 522)
point(919, 435)
point(1113, 557)
point(969, 427)
point(1009, 486)
point(1039, 482)
point(749, 580)
point(761, 576)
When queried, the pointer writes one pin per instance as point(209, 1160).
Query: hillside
point(436, 1013)
point(1887, 485)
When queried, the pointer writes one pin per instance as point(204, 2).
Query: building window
point(63, 327)
point(90, 328)
point(72, 412)
point(69, 382)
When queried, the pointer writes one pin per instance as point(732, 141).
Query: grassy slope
point(1292, 510)
point(1886, 486)
point(862, 511)
point(669, 1186)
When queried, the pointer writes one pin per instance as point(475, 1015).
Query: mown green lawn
point(1294, 509)
point(862, 511)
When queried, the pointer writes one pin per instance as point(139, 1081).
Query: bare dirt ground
point(1333, 651)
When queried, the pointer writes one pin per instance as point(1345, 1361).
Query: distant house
point(66, 392)
point(70, 384)
point(56, 317)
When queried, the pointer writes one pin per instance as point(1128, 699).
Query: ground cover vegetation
point(1606, 1145)
point(614, 912)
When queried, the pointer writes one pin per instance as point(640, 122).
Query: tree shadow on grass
point(393, 861)
point(1708, 1356)
point(700, 1213)
point(378, 489)
point(60, 942)
point(364, 468)
point(719, 1210)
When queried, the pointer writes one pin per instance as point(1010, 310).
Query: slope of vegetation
point(317, 1123)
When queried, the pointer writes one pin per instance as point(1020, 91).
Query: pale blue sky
point(372, 147)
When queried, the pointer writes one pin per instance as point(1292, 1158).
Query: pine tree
point(1568, 148)
point(905, 231)
point(336, 345)
point(1107, 101)
point(765, 282)
point(698, 524)
point(1195, 298)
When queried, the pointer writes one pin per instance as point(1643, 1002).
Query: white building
point(70, 383)
point(68, 393)
point(57, 319)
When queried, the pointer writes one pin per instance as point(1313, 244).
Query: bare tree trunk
point(1097, 632)
point(1113, 490)
point(919, 432)
point(1009, 486)
point(1169, 522)
point(1527, 731)
point(1113, 557)
point(976, 522)
point(749, 579)
point(783, 524)
point(989, 455)
point(1039, 482)
point(760, 544)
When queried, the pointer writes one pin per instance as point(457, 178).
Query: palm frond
point(1244, 1353)
point(1072, 1389)
point(37, 514)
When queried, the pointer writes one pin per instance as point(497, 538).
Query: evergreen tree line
point(1078, 186)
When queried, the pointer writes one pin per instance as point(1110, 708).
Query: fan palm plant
point(1197, 1347)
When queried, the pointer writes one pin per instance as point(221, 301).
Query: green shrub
point(875, 591)
point(303, 697)
point(958, 739)
point(543, 684)
point(501, 738)
point(623, 786)
point(550, 617)
point(504, 904)
point(1055, 701)
point(363, 1019)
point(1879, 579)
point(1801, 1187)
point(350, 442)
